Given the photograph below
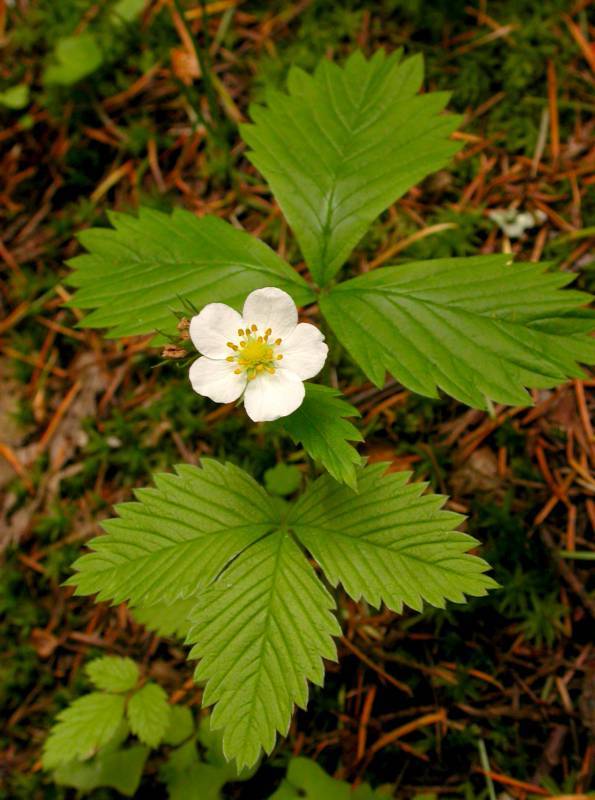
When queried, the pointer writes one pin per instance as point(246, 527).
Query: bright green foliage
point(136, 272)
point(261, 632)
point(82, 728)
point(282, 479)
point(77, 57)
point(127, 10)
point(180, 726)
point(307, 780)
point(261, 621)
point(113, 674)
point(149, 714)
point(319, 425)
point(189, 778)
point(389, 543)
point(166, 619)
point(117, 769)
point(16, 97)
point(178, 537)
point(477, 328)
point(344, 145)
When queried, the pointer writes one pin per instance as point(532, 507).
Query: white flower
point(263, 355)
point(514, 223)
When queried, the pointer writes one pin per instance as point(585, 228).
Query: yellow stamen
point(232, 345)
point(255, 356)
point(278, 341)
point(240, 332)
point(268, 331)
point(279, 357)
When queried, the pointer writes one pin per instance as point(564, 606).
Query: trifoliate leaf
point(261, 633)
point(389, 543)
point(178, 537)
point(113, 674)
point(166, 619)
point(119, 769)
point(82, 728)
point(77, 57)
point(319, 425)
point(476, 328)
point(137, 272)
point(180, 726)
point(149, 714)
point(262, 621)
point(282, 479)
point(344, 145)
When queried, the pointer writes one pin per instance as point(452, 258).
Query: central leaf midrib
point(267, 529)
point(521, 329)
point(388, 290)
point(267, 623)
point(340, 159)
point(330, 533)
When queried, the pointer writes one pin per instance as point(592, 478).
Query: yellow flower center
point(254, 354)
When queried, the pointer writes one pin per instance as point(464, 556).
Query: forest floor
point(493, 698)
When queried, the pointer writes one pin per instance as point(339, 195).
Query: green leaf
point(306, 779)
point(261, 624)
point(187, 778)
point(120, 770)
point(137, 272)
point(127, 10)
point(180, 726)
point(389, 543)
point(178, 537)
point(476, 328)
point(261, 632)
point(77, 57)
point(82, 728)
point(344, 145)
point(113, 674)
point(149, 714)
point(319, 425)
point(15, 98)
point(211, 742)
point(166, 619)
point(282, 479)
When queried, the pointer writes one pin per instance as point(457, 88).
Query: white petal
point(304, 351)
point(271, 308)
point(216, 325)
point(269, 397)
point(217, 380)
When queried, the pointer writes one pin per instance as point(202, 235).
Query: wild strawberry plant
point(208, 549)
